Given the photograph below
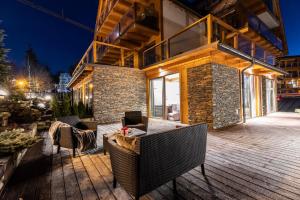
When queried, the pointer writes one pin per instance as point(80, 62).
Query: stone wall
point(200, 94)
point(116, 90)
point(213, 95)
point(226, 96)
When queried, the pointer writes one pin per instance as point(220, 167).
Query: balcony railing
point(257, 25)
point(202, 32)
point(105, 53)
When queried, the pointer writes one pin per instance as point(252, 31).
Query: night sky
point(60, 45)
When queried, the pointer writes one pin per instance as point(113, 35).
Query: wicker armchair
point(67, 138)
point(161, 158)
point(134, 119)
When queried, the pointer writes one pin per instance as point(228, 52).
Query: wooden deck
point(259, 160)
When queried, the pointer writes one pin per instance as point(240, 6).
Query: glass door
point(157, 97)
point(247, 98)
point(250, 96)
point(270, 96)
point(172, 95)
point(165, 97)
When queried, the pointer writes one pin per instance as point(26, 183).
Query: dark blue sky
point(56, 43)
point(59, 44)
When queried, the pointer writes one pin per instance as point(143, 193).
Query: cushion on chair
point(129, 143)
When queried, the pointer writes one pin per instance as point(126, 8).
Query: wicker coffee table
point(134, 133)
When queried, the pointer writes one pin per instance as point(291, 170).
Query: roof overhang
point(232, 51)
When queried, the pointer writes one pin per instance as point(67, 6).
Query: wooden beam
point(209, 29)
point(184, 96)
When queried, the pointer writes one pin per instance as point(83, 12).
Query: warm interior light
point(91, 85)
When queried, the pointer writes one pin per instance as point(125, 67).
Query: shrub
point(75, 109)
point(55, 107)
point(81, 109)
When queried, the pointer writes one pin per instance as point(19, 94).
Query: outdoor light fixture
point(21, 83)
point(162, 72)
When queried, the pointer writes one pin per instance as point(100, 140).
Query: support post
point(135, 59)
point(203, 169)
point(174, 186)
point(252, 49)
point(114, 182)
point(209, 29)
point(168, 49)
point(236, 41)
point(94, 52)
point(122, 58)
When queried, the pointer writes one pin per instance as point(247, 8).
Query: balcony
point(135, 27)
point(208, 38)
point(260, 28)
point(120, 15)
point(111, 14)
point(264, 10)
point(101, 53)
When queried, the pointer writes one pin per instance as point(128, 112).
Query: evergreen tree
point(4, 66)
point(75, 109)
point(81, 109)
point(55, 107)
point(66, 106)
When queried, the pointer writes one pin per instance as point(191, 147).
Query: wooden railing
point(205, 31)
point(96, 52)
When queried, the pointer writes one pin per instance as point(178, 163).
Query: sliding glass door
point(165, 97)
point(270, 95)
point(172, 97)
point(250, 96)
point(156, 97)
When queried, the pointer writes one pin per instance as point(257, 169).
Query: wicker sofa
point(161, 158)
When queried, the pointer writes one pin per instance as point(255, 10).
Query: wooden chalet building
point(207, 61)
point(289, 84)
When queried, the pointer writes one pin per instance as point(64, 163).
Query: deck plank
point(58, 190)
point(86, 187)
point(96, 178)
point(71, 183)
point(119, 193)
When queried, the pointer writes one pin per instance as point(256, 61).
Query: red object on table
point(124, 130)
